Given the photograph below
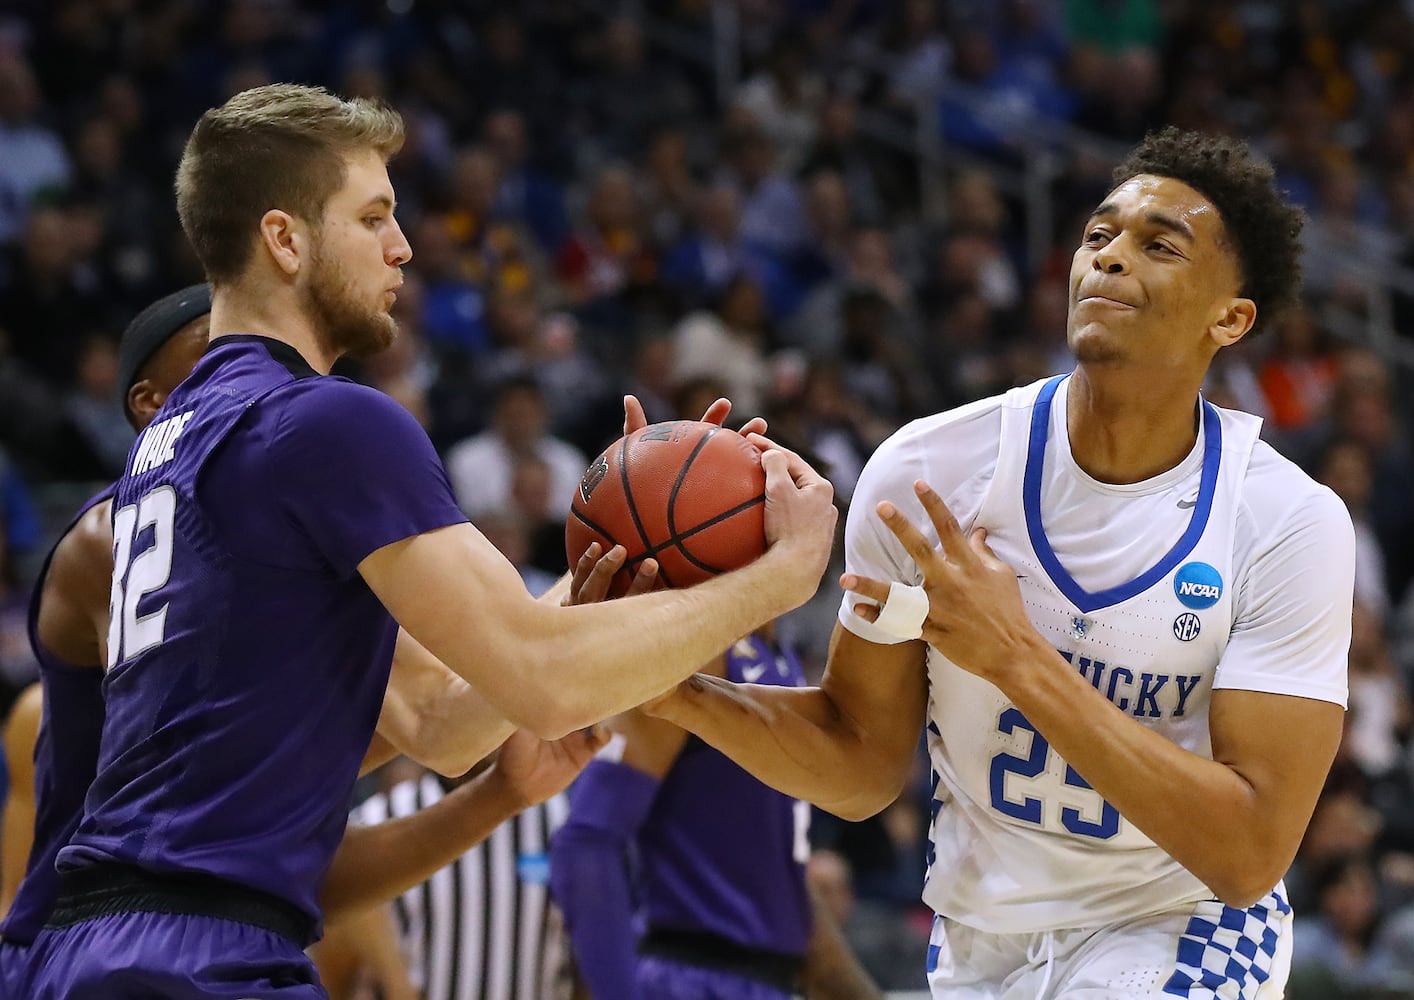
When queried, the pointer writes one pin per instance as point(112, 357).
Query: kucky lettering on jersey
point(158, 444)
point(1198, 585)
point(1146, 697)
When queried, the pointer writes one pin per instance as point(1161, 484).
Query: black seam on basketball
point(682, 474)
point(687, 554)
point(745, 505)
point(677, 540)
point(705, 567)
point(628, 495)
point(579, 516)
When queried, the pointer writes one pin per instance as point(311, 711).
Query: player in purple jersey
point(51, 735)
point(720, 893)
point(273, 527)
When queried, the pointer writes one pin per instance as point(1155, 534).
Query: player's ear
point(283, 238)
point(1234, 323)
point(143, 401)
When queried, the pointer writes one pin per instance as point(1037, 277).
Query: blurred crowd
point(807, 205)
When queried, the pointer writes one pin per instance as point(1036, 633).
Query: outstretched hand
point(635, 419)
point(535, 769)
point(976, 617)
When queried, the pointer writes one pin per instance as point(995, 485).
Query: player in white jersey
point(1123, 619)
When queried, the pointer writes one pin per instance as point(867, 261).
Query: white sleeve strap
point(904, 612)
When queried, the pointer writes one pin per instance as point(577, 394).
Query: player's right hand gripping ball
point(689, 494)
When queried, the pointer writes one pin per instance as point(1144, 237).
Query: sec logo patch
point(1186, 627)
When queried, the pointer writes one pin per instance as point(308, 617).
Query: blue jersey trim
point(1031, 501)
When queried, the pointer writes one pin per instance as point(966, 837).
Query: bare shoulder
point(83, 559)
point(73, 606)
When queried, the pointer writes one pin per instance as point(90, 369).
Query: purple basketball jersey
point(247, 657)
point(65, 758)
point(721, 852)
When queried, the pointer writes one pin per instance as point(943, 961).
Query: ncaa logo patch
point(1186, 627)
point(1198, 586)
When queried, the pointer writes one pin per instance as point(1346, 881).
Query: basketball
point(689, 494)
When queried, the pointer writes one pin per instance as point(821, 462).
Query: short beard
point(345, 326)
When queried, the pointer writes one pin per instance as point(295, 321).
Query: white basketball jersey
point(1232, 569)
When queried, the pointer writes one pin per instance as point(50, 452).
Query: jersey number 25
point(1029, 808)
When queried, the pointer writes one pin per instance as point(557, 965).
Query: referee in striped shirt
point(482, 928)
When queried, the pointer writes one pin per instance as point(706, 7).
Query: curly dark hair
point(1265, 229)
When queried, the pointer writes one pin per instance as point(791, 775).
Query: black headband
point(153, 327)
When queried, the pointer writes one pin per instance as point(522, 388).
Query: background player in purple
point(719, 906)
point(272, 528)
point(52, 733)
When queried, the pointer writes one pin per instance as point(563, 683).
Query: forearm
point(458, 729)
point(578, 665)
point(797, 740)
point(1153, 782)
point(589, 880)
point(16, 837)
point(558, 591)
point(434, 716)
point(379, 752)
point(832, 971)
point(377, 863)
point(552, 670)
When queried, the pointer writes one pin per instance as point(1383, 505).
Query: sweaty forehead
point(1148, 194)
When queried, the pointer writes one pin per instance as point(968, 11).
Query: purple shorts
point(665, 979)
point(12, 964)
point(144, 956)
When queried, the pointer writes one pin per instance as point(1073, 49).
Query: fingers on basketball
point(685, 493)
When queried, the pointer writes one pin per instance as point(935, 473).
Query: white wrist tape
point(904, 612)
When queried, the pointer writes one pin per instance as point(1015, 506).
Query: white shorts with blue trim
point(1203, 951)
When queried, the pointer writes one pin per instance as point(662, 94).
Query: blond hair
point(279, 146)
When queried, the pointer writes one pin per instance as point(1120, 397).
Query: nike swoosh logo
point(1187, 504)
point(752, 674)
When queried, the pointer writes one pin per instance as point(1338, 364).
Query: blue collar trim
point(1031, 501)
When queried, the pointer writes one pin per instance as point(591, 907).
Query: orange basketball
point(689, 494)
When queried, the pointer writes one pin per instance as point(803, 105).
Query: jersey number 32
point(135, 576)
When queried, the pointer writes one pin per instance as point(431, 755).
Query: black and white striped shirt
point(482, 928)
